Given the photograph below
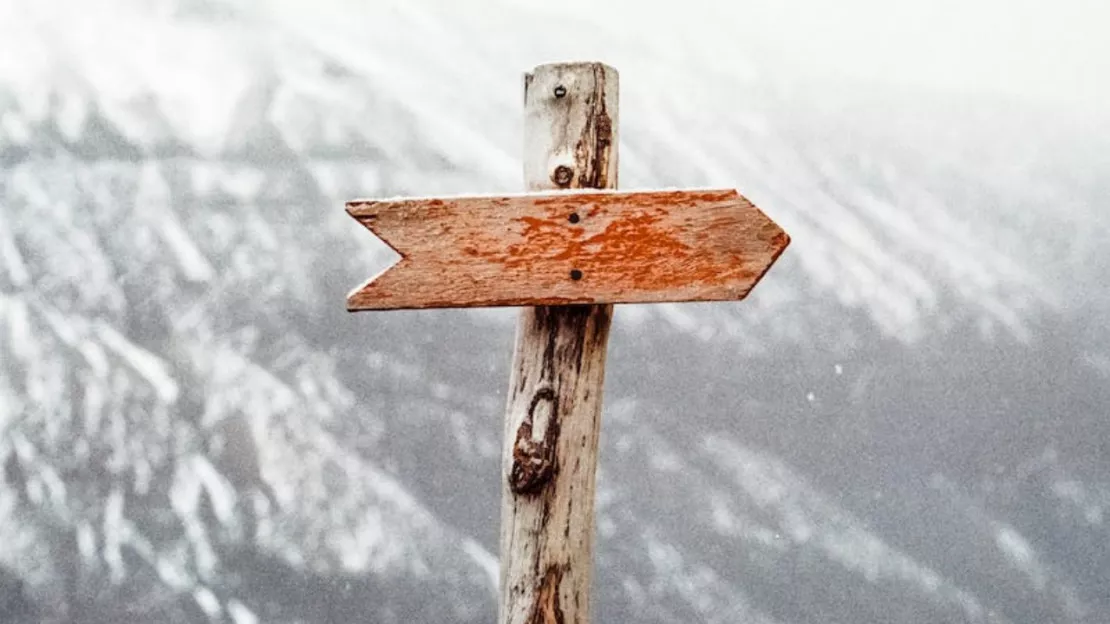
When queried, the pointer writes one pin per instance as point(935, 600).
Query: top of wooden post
point(570, 120)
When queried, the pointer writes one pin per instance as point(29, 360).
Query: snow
point(1089, 505)
point(154, 199)
point(208, 601)
point(10, 258)
point(809, 520)
point(220, 492)
point(487, 561)
point(240, 614)
point(1019, 551)
point(151, 367)
point(114, 535)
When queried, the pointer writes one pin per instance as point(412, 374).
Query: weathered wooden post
point(549, 451)
point(568, 255)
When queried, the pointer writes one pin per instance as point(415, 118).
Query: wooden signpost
point(567, 248)
point(568, 255)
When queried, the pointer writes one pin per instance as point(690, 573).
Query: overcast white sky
point(1055, 51)
point(1058, 50)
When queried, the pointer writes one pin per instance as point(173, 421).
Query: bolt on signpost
point(568, 249)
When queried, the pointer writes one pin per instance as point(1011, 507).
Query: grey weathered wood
point(549, 458)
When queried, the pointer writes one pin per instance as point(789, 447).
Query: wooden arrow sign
point(567, 248)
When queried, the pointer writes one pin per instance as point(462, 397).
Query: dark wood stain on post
point(534, 461)
point(546, 608)
point(592, 151)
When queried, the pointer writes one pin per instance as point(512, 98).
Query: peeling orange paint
point(520, 250)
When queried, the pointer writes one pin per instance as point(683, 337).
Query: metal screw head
point(575, 274)
point(563, 175)
point(560, 91)
point(574, 218)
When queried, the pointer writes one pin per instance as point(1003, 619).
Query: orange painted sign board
point(567, 247)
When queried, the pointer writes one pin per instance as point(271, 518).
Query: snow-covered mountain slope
point(903, 423)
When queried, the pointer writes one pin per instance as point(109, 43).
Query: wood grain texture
point(549, 464)
point(552, 421)
point(563, 248)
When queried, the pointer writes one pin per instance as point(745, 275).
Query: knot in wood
point(563, 175)
point(534, 459)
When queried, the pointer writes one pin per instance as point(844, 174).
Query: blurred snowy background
point(906, 422)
